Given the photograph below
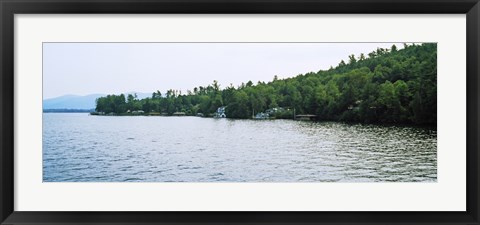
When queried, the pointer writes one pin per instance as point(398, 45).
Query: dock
point(305, 117)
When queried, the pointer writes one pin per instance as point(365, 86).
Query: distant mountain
point(80, 102)
point(68, 110)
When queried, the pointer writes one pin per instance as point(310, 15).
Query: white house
point(220, 113)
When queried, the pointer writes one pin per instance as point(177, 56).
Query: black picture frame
point(9, 8)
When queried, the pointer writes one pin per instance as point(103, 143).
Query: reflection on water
point(83, 148)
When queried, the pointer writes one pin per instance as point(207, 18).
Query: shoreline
point(424, 126)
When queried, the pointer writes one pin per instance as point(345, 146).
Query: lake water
point(78, 147)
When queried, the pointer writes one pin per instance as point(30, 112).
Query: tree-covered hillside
point(384, 86)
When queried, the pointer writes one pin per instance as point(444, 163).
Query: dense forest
point(384, 86)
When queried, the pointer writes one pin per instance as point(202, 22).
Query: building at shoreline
point(220, 113)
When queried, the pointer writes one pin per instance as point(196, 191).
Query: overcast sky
point(113, 68)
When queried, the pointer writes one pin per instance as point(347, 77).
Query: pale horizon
point(112, 68)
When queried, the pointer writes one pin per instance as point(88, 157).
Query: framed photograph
point(239, 112)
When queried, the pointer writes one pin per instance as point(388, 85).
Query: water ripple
point(81, 148)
